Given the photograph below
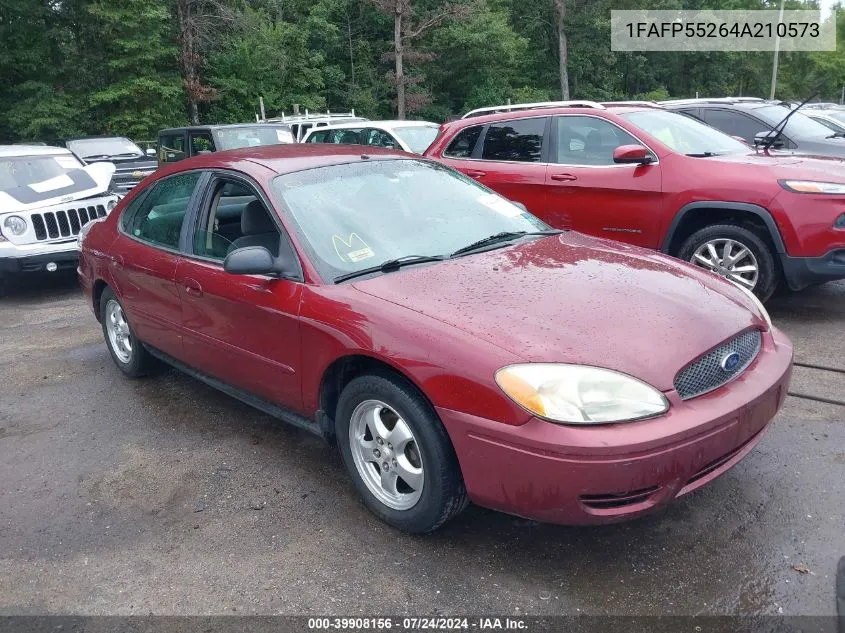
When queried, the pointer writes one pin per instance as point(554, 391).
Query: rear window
point(463, 144)
point(519, 141)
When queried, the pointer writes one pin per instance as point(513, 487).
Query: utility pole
point(777, 51)
point(261, 107)
point(842, 96)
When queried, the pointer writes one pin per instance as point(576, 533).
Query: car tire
point(418, 487)
point(759, 255)
point(127, 352)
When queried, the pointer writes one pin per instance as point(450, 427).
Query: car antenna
point(778, 129)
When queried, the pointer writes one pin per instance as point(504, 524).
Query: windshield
point(417, 137)
point(22, 171)
point(799, 125)
point(359, 215)
point(252, 136)
point(112, 146)
point(839, 115)
point(685, 135)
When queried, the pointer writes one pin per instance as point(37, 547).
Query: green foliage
point(73, 67)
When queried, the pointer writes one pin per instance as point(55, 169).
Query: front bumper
point(582, 475)
point(801, 272)
point(33, 258)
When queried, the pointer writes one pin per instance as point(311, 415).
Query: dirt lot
point(164, 496)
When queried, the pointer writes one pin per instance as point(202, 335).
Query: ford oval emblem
point(730, 362)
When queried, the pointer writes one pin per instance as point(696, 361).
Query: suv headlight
point(14, 225)
point(811, 186)
point(579, 394)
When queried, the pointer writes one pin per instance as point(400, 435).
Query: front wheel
point(734, 253)
point(398, 454)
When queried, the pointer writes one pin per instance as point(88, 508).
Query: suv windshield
point(362, 214)
point(685, 135)
point(418, 137)
point(252, 136)
point(104, 147)
point(799, 125)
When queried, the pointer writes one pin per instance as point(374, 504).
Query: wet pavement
point(164, 496)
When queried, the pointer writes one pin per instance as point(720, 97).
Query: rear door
point(152, 231)
point(241, 329)
point(590, 193)
point(507, 156)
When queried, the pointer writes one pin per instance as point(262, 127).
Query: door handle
point(474, 173)
point(563, 177)
point(193, 288)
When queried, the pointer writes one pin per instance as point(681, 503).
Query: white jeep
point(46, 197)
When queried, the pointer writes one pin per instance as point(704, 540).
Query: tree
point(560, 27)
point(408, 26)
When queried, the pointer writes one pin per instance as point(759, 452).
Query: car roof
point(387, 124)
point(32, 150)
point(221, 126)
point(286, 158)
point(95, 136)
point(610, 108)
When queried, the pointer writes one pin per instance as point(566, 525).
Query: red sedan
point(452, 345)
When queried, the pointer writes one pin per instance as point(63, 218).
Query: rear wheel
point(735, 253)
point(398, 454)
point(126, 351)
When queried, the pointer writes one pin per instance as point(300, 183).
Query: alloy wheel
point(730, 259)
point(120, 337)
point(386, 454)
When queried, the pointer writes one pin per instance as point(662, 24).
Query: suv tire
point(745, 251)
point(387, 431)
point(127, 352)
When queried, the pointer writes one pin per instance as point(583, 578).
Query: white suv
point(410, 136)
point(46, 197)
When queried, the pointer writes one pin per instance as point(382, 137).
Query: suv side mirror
point(636, 154)
point(255, 260)
point(151, 151)
point(762, 138)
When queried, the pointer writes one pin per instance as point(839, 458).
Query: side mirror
point(250, 260)
point(762, 138)
point(632, 154)
point(151, 151)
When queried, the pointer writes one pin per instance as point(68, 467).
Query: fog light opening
point(52, 267)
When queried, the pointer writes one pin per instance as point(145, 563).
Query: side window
point(378, 138)
point(294, 129)
point(318, 137)
point(130, 210)
point(159, 219)
point(201, 142)
point(171, 148)
point(520, 140)
point(346, 137)
point(735, 124)
point(236, 217)
point(583, 140)
point(464, 143)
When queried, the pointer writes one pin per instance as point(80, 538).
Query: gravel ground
point(164, 496)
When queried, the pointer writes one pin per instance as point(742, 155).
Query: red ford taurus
point(453, 345)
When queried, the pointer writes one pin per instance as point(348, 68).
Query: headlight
point(759, 304)
point(578, 394)
point(14, 225)
point(811, 186)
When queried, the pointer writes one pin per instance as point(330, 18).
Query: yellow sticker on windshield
point(353, 249)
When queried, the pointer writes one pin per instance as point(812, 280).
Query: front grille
point(707, 373)
point(51, 225)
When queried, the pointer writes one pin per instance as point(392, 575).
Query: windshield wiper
point(704, 154)
point(390, 265)
point(124, 154)
point(96, 156)
point(500, 237)
point(836, 135)
point(780, 127)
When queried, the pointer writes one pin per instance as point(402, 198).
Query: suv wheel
point(734, 253)
point(398, 454)
point(127, 351)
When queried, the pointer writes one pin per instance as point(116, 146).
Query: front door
point(241, 329)
point(590, 193)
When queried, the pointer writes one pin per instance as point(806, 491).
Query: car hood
point(575, 299)
point(795, 166)
point(74, 184)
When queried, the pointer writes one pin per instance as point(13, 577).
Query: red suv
point(643, 175)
